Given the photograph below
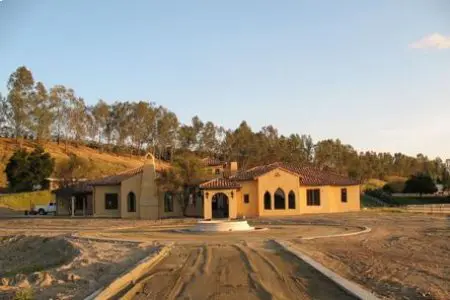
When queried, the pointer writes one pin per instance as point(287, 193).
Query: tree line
point(31, 110)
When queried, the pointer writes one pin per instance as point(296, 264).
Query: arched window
point(267, 201)
point(291, 198)
point(168, 202)
point(280, 199)
point(131, 202)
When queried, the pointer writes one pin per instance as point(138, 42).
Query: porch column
point(84, 206)
point(232, 204)
point(207, 207)
point(72, 203)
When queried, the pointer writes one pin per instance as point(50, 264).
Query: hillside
point(95, 164)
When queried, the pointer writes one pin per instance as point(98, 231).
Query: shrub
point(382, 195)
point(24, 294)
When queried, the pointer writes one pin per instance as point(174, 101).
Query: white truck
point(43, 209)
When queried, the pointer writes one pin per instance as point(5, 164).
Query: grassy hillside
point(24, 201)
point(95, 164)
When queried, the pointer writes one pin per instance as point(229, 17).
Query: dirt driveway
point(236, 271)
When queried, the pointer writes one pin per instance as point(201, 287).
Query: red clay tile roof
point(252, 173)
point(308, 175)
point(220, 183)
point(83, 187)
point(211, 161)
point(118, 178)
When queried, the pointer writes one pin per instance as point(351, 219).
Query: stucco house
point(131, 194)
point(279, 189)
point(276, 189)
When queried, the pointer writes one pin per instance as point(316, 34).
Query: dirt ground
point(62, 268)
point(405, 256)
point(236, 271)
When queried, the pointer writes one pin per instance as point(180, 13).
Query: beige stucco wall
point(247, 209)
point(211, 170)
point(132, 184)
point(270, 182)
point(197, 209)
point(353, 199)
point(177, 209)
point(99, 201)
point(324, 206)
point(232, 203)
point(330, 199)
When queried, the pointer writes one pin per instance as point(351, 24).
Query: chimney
point(148, 200)
point(231, 168)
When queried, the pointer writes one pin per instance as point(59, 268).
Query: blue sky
point(375, 74)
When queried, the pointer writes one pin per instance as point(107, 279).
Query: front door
point(220, 205)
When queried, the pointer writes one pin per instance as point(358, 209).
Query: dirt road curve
point(236, 271)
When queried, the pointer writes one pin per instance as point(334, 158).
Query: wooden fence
point(429, 208)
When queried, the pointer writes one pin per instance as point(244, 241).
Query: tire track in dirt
point(292, 282)
point(238, 271)
point(187, 273)
point(206, 267)
point(254, 279)
point(278, 284)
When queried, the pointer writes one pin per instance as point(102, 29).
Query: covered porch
point(74, 201)
point(220, 199)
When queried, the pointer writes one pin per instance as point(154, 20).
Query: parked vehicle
point(44, 209)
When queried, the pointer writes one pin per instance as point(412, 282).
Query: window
point(217, 171)
point(267, 201)
point(246, 198)
point(280, 199)
point(111, 201)
point(168, 202)
point(343, 195)
point(291, 198)
point(131, 202)
point(313, 197)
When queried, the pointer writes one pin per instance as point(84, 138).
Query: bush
point(383, 196)
point(24, 294)
point(420, 184)
point(394, 187)
point(27, 170)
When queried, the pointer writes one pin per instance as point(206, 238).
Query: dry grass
point(97, 164)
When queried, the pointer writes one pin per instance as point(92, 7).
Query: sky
point(375, 74)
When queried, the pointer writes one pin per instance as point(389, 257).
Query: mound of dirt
point(28, 254)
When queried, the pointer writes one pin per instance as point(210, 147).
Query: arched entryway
point(219, 205)
point(131, 202)
point(280, 199)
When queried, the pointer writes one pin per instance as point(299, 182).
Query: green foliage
point(394, 187)
point(26, 170)
point(23, 201)
point(77, 167)
point(369, 201)
point(24, 294)
point(402, 200)
point(138, 127)
point(382, 195)
point(421, 184)
point(20, 93)
point(182, 178)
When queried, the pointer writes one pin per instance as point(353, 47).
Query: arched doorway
point(280, 199)
point(219, 205)
point(131, 202)
point(267, 200)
